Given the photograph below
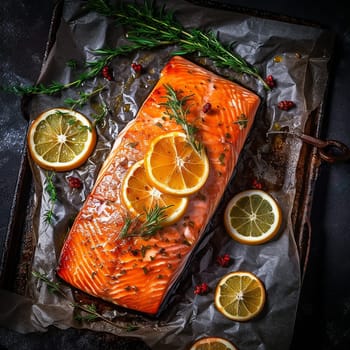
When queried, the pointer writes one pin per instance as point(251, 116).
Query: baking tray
point(18, 250)
point(16, 256)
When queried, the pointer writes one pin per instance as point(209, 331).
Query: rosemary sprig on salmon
point(176, 109)
point(152, 224)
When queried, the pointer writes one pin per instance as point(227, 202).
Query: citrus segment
point(174, 166)
point(240, 296)
point(140, 196)
point(60, 139)
point(213, 343)
point(252, 217)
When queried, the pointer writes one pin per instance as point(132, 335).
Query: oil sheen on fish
point(134, 272)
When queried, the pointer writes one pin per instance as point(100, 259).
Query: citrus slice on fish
point(140, 196)
point(174, 166)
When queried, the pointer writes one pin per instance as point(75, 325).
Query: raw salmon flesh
point(134, 272)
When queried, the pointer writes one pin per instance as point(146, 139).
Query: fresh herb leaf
point(72, 64)
point(242, 121)
point(51, 191)
point(99, 117)
point(154, 26)
point(91, 312)
point(176, 109)
point(133, 227)
point(84, 97)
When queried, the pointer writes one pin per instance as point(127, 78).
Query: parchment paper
point(301, 74)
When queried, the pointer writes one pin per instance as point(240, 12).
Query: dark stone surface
point(323, 319)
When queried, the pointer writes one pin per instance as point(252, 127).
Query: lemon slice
point(174, 166)
point(240, 296)
point(61, 139)
point(213, 343)
point(252, 217)
point(139, 196)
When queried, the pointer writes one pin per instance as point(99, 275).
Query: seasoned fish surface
point(134, 272)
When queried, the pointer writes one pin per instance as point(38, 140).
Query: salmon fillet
point(134, 272)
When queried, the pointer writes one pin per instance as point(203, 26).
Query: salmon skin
point(134, 272)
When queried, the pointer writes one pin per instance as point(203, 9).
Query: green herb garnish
point(152, 26)
point(176, 109)
point(90, 312)
point(83, 98)
point(153, 223)
point(242, 121)
point(51, 191)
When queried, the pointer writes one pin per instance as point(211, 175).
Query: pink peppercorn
point(201, 289)
point(285, 105)
point(270, 81)
point(107, 73)
point(136, 67)
point(74, 182)
point(223, 260)
point(256, 184)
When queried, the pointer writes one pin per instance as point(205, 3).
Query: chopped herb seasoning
point(200, 196)
point(242, 121)
point(133, 144)
point(222, 158)
point(144, 250)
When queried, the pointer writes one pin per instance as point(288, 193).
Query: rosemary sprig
point(91, 315)
point(92, 69)
point(151, 25)
point(101, 114)
point(153, 223)
point(51, 191)
point(176, 109)
point(83, 98)
point(91, 311)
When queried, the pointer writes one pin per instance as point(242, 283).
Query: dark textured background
point(323, 320)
